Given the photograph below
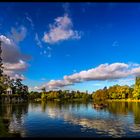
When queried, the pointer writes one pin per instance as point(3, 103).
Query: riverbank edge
point(123, 100)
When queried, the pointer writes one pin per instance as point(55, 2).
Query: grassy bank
point(123, 100)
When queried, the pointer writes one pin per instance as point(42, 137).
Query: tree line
point(60, 95)
point(111, 93)
point(118, 92)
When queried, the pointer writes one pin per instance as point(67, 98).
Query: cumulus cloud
point(34, 88)
point(20, 66)
point(102, 72)
point(54, 84)
point(10, 51)
point(61, 30)
point(14, 61)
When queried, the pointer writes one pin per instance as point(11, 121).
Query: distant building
point(9, 91)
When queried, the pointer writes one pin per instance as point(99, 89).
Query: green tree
point(136, 92)
point(43, 93)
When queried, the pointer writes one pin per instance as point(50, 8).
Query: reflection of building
point(9, 91)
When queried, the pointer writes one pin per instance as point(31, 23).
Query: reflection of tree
point(118, 108)
point(122, 108)
point(43, 105)
point(12, 118)
point(136, 111)
point(3, 129)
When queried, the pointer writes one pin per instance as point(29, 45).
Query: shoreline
point(123, 100)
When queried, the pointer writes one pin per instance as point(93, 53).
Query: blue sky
point(53, 40)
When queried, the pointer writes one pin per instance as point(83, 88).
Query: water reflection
point(117, 120)
point(12, 119)
point(116, 124)
point(124, 108)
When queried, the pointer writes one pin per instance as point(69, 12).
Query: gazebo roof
point(9, 89)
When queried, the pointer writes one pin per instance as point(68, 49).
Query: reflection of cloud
point(53, 113)
point(16, 125)
point(109, 127)
point(135, 128)
point(102, 126)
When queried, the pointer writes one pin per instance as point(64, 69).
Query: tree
point(100, 95)
point(136, 92)
point(43, 93)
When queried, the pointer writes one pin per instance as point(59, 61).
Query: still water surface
point(53, 119)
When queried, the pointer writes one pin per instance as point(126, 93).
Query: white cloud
point(54, 84)
point(13, 60)
point(14, 70)
point(36, 88)
point(61, 30)
point(6, 40)
point(18, 76)
point(102, 72)
point(21, 65)
point(10, 51)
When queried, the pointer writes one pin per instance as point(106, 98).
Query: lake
point(55, 119)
